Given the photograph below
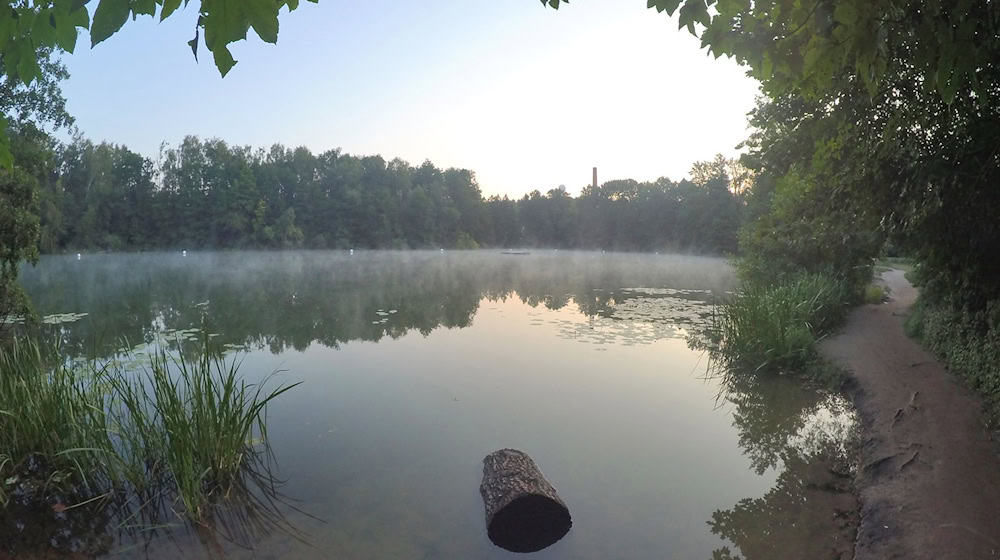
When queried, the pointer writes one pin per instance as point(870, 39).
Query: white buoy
point(79, 256)
point(184, 253)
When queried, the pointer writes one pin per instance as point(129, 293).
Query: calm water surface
point(416, 365)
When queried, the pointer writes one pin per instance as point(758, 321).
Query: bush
point(969, 343)
point(465, 241)
point(112, 242)
point(806, 231)
point(874, 294)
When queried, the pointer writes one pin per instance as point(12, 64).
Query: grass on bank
point(774, 328)
point(192, 425)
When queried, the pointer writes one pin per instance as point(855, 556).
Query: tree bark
point(523, 511)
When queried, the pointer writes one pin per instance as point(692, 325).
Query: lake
point(415, 365)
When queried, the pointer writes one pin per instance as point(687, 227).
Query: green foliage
point(197, 420)
point(969, 343)
point(19, 228)
point(807, 46)
point(465, 241)
point(19, 222)
point(774, 327)
point(211, 194)
point(52, 415)
point(31, 31)
point(901, 163)
point(51, 24)
point(196, 427)
point(804, 216)
point(879, 122)
point(874, 294)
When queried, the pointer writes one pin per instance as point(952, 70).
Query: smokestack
point(595, 177)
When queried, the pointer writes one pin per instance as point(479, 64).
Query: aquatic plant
point(52, 422)
point(775, 327)
point(198, 420)
point(193, 428)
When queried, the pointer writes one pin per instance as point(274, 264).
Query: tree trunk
point(523, 511)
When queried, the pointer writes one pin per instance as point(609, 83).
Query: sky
point(527, 97)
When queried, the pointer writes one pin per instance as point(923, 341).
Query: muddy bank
point(928, 479)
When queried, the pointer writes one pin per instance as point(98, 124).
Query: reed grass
point(199, 420)
point(52, 421)
point(193, 426)
point(775, 327)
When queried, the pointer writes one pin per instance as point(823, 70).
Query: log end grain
point(523, 511)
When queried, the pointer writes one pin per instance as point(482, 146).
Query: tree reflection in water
point(49, 520)
point(290, 300)
point(282, 301)
point(809, 434)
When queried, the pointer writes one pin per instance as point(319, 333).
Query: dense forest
point(207, 193)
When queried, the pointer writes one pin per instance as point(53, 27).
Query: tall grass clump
point(197, 420)
point(192, 430)
point(52, 422)
point(775, 327)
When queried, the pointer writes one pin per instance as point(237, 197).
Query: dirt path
point(929, 479)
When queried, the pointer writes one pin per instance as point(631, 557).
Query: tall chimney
point(595, 177)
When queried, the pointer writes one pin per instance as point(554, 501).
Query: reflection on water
point(290, 300)
point(809, 435)
point(415, 365)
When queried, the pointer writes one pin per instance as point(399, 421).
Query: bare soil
point(929, 477)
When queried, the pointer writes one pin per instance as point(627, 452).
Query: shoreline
point(928, 477)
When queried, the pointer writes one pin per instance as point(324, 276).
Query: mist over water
point(415, 365)
point(291, 299)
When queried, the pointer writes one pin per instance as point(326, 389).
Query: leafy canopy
point(804, 45)
point(30, 29)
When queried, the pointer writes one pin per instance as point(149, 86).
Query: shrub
point(465, 241)
point(968, 342)
point(874, 294)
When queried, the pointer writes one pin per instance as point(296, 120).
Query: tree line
point(206, 193)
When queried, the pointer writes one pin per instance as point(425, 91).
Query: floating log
point(523, 511)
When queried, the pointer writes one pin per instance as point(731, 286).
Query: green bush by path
point(969, 343)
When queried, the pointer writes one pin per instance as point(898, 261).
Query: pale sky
point(525, 96)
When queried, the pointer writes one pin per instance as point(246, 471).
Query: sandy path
point(929, 479)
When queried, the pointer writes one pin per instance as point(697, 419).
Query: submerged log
point(523, 511)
